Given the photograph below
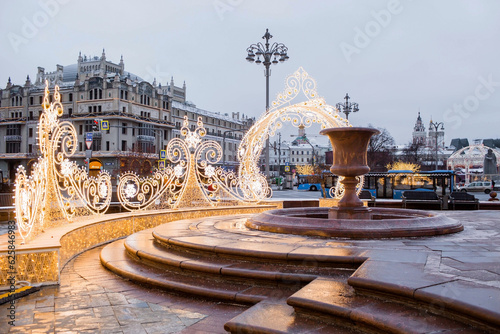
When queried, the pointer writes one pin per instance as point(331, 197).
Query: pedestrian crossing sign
point(104, 125)
point(161, 164)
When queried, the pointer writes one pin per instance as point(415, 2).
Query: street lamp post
point(436, 126)
point(271, 54)
point(347, 107)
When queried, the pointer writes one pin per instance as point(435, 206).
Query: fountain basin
point(384, 223)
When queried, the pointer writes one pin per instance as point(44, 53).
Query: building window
point(31, 115)
point(107, 146)
point(90, 109)
point(80, 146)
point(96, 144)
point(40, 100)
point(30, 132)
point(124, 145)
point(88, 125)
point(14, 130)
point(31, 100)
point(124, 129)
point(70, 97)
point(13, 147)
point(70, 112)
point(30, 148)
point(81, 129)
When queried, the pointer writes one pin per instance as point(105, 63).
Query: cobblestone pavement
point(90, 299)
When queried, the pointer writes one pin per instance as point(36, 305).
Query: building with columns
point(140, 115)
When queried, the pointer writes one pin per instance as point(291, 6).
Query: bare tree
point(414, 153)
point(380, 150)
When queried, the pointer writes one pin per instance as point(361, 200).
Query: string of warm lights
point(303, 114)
point(54, 178)
point(190, 180)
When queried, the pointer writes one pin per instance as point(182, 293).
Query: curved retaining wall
point(42, 260)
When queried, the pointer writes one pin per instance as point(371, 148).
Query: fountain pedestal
point(349, 160)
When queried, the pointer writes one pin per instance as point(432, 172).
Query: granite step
point(115, 258)
point(339, 301)
point(275, 316)
point(144, 247)
point(448, 295)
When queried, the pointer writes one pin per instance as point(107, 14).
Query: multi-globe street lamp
point(271, 54)
point(347, 107)
point(436, 126)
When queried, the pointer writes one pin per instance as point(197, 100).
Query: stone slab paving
point(91, 299)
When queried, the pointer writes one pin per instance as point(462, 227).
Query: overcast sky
point(394, 58)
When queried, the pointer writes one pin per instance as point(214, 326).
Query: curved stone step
point(203, 240)
point(115, 258)
point(452, 297)
point(339, 301)
point(142, 245)
point(272, 317)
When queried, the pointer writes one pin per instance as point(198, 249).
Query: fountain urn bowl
point(350, 145)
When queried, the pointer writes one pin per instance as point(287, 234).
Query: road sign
point(163, 154)
point(88, 140)
point(287, 168)
point(104, 125)
point(161, 164)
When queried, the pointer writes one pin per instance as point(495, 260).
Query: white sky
point(432, 56)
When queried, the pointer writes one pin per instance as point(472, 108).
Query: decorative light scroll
point(313, 111)
point(57, 187)
point(192, 179)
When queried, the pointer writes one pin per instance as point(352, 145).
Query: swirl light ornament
point(313, 111)
point(57, 188)
point(191, 179)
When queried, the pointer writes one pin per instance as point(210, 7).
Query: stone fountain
point(350, 161)
point(350, 219)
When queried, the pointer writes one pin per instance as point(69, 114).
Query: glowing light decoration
point(313, 111)
point(57, 187)
point(191, 180)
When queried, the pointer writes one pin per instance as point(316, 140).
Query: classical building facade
point(142, 116)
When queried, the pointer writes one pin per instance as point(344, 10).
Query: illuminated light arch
point(470, 156)
point(313, 111)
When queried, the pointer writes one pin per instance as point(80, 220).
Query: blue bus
point(309, 182)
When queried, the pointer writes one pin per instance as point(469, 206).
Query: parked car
point(478, 186)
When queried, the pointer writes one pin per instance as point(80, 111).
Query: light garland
point(313, 111)
point(192, 180)
point(55, 178)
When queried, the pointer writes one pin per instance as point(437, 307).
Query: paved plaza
point(91, 299)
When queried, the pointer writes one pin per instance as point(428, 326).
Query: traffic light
point(95, 125)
